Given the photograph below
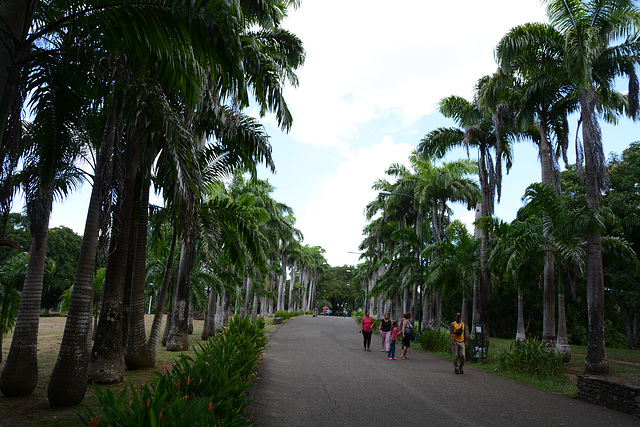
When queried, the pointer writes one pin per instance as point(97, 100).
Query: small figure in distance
point(459, 340)
point(407, 327)
point(392, 342)
point(366, 329)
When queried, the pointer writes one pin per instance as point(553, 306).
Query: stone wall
point(613, 394)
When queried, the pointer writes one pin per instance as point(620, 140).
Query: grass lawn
point(34, 410)
point(624, 365)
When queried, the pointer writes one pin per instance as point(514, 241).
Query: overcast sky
point(374, 73)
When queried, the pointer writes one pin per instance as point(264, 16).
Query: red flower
point(210, 406)
point(94, 421)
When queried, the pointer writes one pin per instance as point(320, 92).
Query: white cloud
point(334, 218)
point(367, 58)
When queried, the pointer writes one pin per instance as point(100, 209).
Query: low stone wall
point(277, 320)
point(613, 394)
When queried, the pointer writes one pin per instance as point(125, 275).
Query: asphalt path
point(315, 373)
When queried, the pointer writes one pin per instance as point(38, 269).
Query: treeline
point(569, 256)
point(145, 96)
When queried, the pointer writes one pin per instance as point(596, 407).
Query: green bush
point(531, 357)
point(309, 312)
point(286, 314)
point(432, 340)
point(208, 389)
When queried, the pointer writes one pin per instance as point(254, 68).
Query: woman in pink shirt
point(366, 329)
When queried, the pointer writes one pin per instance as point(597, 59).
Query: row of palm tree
point(545, 73)
point(159, 102)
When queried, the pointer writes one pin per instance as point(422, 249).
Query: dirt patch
point(34, 410)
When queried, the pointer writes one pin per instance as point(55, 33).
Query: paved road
point(315, 373)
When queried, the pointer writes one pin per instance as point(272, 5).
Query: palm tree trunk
point(254, 309)
point(20, 373)
point(154, 334)
point(484, 287)
point(247, 296)
point(137, 353)
point(596, 360)
point(178, 338)
point(521, 334)
point(465, 311)
point(68, 382)
point(106, 365)
point(209, 328)
point(562, 341)
point(292, 286)
point(548, 300)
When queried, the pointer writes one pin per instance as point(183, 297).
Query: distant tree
point(11, 278)
point(17, 230)
point(336, 285)
point(63, 249)
point(623, 198)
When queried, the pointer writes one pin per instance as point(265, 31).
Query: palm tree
point(518, 254)
point(436, 188)
point(457, 262)
point(48, 171)
point(600, 45)
point(533, 54)
point(475, 129)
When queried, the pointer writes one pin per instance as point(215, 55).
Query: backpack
point(408, 331)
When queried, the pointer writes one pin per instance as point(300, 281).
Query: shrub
point(435, 340)
point(208, 389)
point(531, 357)
point(286, 314)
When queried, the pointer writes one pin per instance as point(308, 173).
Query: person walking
point(366, 329)
point(459, 340)
point(407, 327)
point(392, 342)
point(385, 330)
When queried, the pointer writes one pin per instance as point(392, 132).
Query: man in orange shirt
point(459, 340)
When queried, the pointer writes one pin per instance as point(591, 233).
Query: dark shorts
point(406, 341)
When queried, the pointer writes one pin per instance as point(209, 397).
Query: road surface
point(315, 373)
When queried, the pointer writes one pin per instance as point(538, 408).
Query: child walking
point(392, 342)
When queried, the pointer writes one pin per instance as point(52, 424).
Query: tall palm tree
point(48, 171)
point(476, 128)
point(600, 45)
point(533, 54)
point(436, 188)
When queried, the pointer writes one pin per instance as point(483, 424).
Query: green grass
point(624, 365)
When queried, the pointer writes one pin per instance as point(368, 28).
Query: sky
point(368, 92)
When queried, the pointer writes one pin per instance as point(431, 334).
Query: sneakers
point(457, 372)
point(382, 349)
point(393, 358)
point(461, 370)
point(389, 358)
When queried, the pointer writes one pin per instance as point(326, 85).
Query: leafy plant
point(531, 357)
point(434, 340)
point(207, 389)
